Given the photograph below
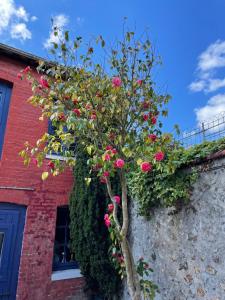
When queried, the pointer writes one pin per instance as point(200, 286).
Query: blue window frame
point(5, 94)
point(63, 258)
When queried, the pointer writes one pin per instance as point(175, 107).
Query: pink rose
point(117, 199)
point(88, 106)
point(146, 167)
point(102, 179)
point(116, 81)
point(109, 147)
point(106, 174)
point(114, 151)
point(145, 117)
point(107, 157)
point(77, 112)
point(110, 208)
point(152, 137)
point(119, 163)
point(159, 156)
point(107, 220)
point(93, 116)
point(44, 82)
point(20, 76)
point(27, 69)
point(139, 82)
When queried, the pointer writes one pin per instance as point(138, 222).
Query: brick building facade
point(26, 254)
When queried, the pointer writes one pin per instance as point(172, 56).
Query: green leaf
point(87, 180)
point(66, 34)
point(44, 175)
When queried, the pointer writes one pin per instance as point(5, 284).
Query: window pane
point(63, 258)
point(62, 216)
point(60, 236)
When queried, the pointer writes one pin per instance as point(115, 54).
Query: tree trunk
point(133, 282)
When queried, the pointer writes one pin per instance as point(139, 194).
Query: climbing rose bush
point(115, 112)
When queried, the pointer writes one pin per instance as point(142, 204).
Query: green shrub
point(90, 238)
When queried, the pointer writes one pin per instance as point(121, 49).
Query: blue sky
point(189, 35)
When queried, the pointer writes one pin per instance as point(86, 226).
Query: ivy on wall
point(173, 182)
point(90, 238)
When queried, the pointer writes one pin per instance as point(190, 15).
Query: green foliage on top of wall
point(174, 180)
point(90, 238)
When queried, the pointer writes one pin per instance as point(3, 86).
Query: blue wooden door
point(12, 218)
point(5, 93)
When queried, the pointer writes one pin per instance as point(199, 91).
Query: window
point(63, 257)
point(71, 148)
point(5, 93)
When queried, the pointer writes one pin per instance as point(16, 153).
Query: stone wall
point(187, 250)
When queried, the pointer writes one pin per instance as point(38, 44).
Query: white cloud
point(12, 19)
point(19, 31)
point(213, 57)
point(59, 23)
point(209, 61)
point(214, 107)
point(6, 12)
point(33, 18)
point(197, 86)
point(22, 14)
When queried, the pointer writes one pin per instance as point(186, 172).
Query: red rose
point(153, 120)
point(139, 82)
point(109, 147)
point(27, 69)
point(88, 106)
point(146, 167)
point(51, 165)
point(119, 163)
point(20, 76)
point(152, 137)
point(93, 116)
point(114, 151)
point(107, 220)
point(116, 81)
point(77, 112)
point(159, 156)
point(102, 179)
point(145, 117)
point(117, 199)
point(107, 157)
point(110, 208)
point(62, 117)
point(106, 174)
point(44, 82)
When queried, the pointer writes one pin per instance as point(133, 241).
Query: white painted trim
point(59, 157)
point(55, 156)
point(66, 274)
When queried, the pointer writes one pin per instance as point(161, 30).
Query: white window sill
point(66, 274)
point(59, 157)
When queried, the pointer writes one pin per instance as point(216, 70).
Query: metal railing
point(206, 131)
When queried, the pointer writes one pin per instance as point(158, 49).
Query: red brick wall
point(37, 251)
